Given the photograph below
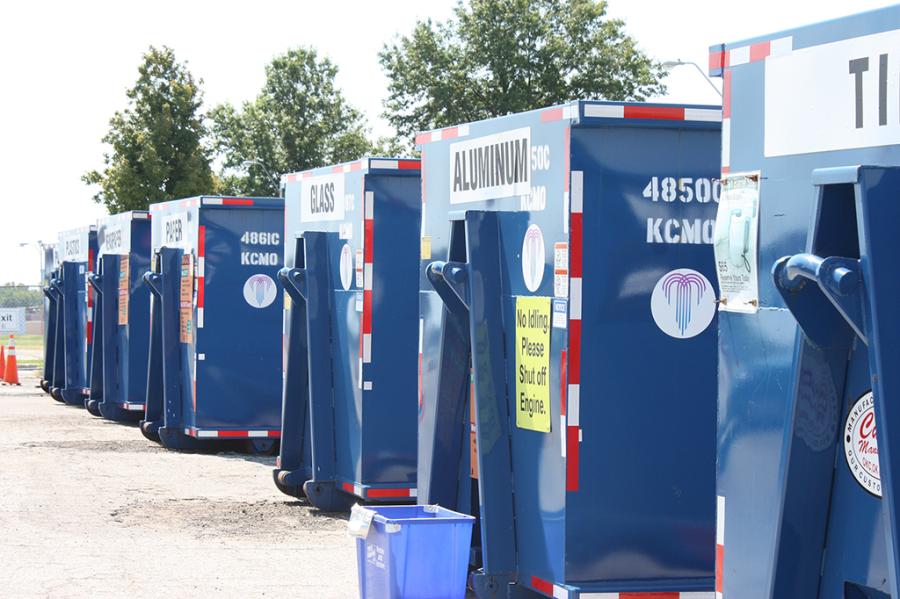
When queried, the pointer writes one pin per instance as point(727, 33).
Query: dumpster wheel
point(284, 485)
point(56, 393)
point(45, 385)
point(150, 430)
point(261, 446)
point(93, 407)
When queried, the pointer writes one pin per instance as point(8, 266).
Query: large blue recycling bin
point(122, 323)
point(807, 493)
point(414, 552)
point(214, 365)
point(568, 345)
point(74, 325)
point(351, 327)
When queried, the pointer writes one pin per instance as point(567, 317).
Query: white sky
point(65, 66)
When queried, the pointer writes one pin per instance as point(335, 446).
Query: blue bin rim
point(441, 515)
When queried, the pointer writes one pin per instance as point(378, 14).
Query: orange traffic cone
point(2, 361)
point(11, 374)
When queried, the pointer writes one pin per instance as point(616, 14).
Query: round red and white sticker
point(533, 257)
point(346, 267)
point(861, 444)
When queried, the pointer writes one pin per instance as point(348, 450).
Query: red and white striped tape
point(365, 339)
point(442, 134)
point(379, 493)
point(358, 165)
point(720, 545)
point(561, 592)
point(231, 434)
point(658, 113)
point(201, 274)
point(725, 60)
point(572, 402)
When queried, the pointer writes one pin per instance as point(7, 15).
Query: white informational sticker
point(683, 303)
point(490, 167)
point(359, 301)
point(260, 291)
point(346, 267)
point(174, 230)
point(861, 444)
point(12, 321)
point(835, 96)
point(359, 269)
point(561, 269)
point(737, 225)
point(345, 231)
point(560, 314)
point(533, 257)
point(322, 198)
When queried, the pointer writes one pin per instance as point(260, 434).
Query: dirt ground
point(89, 508)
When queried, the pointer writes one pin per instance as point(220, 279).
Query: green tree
point(299, 120)
point(497, 57)
point(13, 295)
point(157, 150)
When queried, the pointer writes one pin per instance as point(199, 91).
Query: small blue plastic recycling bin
point(414, 552)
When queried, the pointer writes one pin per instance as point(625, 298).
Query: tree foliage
point(13, 295)
point(157, 141)
point(497, 57)
point(299, 120)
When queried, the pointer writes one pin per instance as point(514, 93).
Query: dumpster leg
point(314, 284)
point(153, 400)
point(96, 375)
point(294, 464)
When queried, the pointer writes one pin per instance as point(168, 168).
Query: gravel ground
point(89, 508)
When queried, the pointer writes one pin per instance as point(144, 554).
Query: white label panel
point(835, 96)
point(322, 198)
point(489, 167)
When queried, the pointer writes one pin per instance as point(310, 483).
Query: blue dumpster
point(75, 303)
point(349, 414)
point(122, 327)
point(808, 342)
point(405, 551)
point(567, 393)
point(214, 374)
point(49, 266)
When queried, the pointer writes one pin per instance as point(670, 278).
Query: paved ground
point(89, 508)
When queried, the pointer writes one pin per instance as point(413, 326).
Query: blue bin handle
point(95, 281)
point(448, 280)
point(153, 280)
point(294, 281)
point(48, 293)
point(56, 287)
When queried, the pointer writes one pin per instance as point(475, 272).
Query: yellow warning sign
point(187, 298)
point(533, 363)
point(124, 281)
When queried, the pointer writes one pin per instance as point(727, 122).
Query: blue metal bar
point(112, 359)
point(74, 333)
point(97, 342)
point(171, 432)
point(153, 409)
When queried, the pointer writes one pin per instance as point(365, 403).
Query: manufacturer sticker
point(346, 267)
point(737, 223)
point(260, 291)
point(561, 269)
point(533, 257)
point(533, 363)
point(861, 444)
point(683, 303)
point(560, 314)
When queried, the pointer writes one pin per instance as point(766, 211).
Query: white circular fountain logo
point(861, 444)
point(533, 257)
point(683, 303)
point(346, 266)
point(260, 291)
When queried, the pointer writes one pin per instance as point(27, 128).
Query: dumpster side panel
point(135, 335)
point(642, 507)
point(237, 344)
point(773, 406)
